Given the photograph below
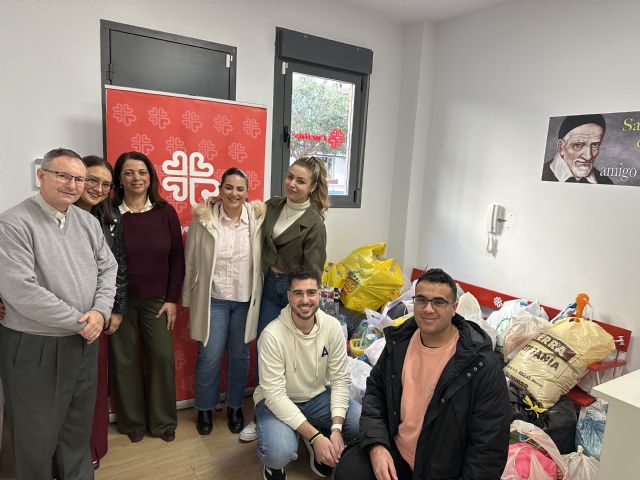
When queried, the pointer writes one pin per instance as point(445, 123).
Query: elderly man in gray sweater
point(57, 281)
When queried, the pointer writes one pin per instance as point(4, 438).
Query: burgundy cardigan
point(155, 254)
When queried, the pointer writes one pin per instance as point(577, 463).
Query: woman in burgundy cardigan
point(146, 398)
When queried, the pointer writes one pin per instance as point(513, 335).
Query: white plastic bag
point(406, 298)
point(377, 319)
point(501, 319)
point(521, 454)
point(581, 467)
point(522, 328)
point(469, 308)
point(527, 431)
point(359, 372)
point(374, 350)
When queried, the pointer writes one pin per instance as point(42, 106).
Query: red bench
point(621, 336)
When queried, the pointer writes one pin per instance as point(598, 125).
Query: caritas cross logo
point(335, 138)
point(184, 173)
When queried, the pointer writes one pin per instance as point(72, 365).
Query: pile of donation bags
point(544, 360)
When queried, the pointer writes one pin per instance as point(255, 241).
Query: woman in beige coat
point(222, 288)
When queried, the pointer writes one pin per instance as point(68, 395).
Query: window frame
point(307, 54)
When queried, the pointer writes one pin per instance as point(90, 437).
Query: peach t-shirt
point(420, 374)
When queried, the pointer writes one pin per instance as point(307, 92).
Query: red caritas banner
point(190, 141)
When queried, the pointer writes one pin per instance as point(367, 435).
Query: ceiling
point(409, 11)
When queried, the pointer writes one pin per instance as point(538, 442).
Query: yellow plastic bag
point(333, 274)
point(371, 279)
point(554, 361)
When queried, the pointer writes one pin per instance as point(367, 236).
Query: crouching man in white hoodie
point(304, 384)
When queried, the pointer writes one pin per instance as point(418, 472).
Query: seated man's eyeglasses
point(65, 177)
point(437, 303)
point(93, 182)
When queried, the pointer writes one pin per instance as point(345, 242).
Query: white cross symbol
point(184, 173)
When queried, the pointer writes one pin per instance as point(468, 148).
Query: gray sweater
point(50, 277)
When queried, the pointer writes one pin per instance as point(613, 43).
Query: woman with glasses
point(222, 288)
point(146, 398)
point(95, 199)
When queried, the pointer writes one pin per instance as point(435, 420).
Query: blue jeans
point(274, 298)
point(226, 329)
point(278, 443)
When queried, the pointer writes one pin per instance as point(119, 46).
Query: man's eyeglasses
point(65, 177)
point(436, 303)
point(93, 182)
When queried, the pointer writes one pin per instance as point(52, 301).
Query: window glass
point(322, 124)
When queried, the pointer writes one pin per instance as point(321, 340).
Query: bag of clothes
point(501, 319)
point(526, 463)
point(554, 361)
point(372, 280)
point(559, 421)
point(469, 308)
point(590, 428)
point(539, 455)
point(581, 467)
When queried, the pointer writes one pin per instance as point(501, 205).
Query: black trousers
point(50, 391)
point(355, 464)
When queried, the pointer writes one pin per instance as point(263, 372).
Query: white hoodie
point(295, 367)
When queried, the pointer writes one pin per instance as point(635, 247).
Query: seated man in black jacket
point(436, 404)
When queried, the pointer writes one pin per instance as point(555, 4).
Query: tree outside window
point(321, 125)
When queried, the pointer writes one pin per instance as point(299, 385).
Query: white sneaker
point(248, 433)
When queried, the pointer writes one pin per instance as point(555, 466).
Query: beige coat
point(200, 258)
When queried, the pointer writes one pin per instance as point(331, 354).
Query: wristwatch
point(337, 426)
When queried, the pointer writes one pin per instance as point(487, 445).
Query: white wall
point(50, 82)
point(500, 74)
point(412, 141)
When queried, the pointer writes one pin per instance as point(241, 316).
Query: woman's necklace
point(137, 209)
point(287, 209)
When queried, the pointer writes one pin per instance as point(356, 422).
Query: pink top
point(420, 374)
point(232, 274)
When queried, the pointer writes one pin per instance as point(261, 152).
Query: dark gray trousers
point(50, 390)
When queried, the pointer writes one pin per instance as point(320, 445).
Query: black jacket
point(465, 434)
point(114, 237)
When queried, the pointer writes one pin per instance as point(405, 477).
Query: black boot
point(235, 419)
point(204, 423)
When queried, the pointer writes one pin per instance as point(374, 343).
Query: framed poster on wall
point(597, 148)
